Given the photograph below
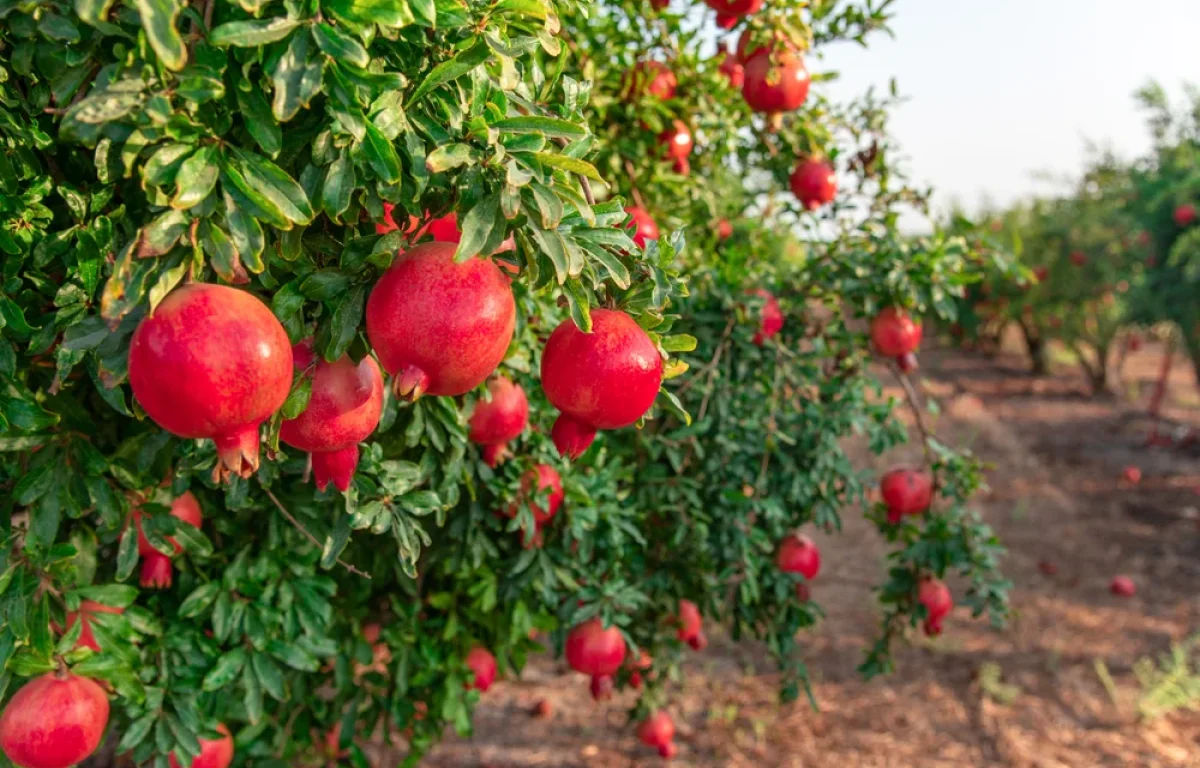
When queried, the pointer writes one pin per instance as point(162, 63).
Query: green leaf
point(115, 595)
point(260, 120)
point(338, 186)
point(293, 656)
point(269, 676)
point(158, 22)
point(552, 127)
point(679, 343)
point(197, 177)
point(298, 398)
point(386, 13)
point(199, 600)
point(448, 157)
point(381, 154)
point(345, 322)
point(272, 183)
point(477, 227)
point(225, 670)
point(251, 34)
point(452, 69)
point(127, 554)
point(569, 164)
point(296, 78)
point(136, 732)
point(161, 235)
point(340, 46)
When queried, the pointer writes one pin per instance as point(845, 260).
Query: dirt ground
point(1030, 695)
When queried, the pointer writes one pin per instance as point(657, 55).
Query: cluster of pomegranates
point(909, 492)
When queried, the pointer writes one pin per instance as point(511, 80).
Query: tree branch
point(283, 511)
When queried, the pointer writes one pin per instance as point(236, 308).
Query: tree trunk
point(1039, 352)
point(1097, 374)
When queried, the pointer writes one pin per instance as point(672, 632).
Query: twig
point(283, 511)
point(914, 403)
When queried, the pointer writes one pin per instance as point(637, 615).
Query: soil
point(1057, 687)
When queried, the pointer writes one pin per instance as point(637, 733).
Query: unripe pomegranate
point(731, 67)
point(734, 7)
point(601, 687)
point(212, 362)
point(894, 333)
point(652, 78)
point(594, 650)
point(814, 183)
point(606, 379)
point(1185, 215)
point(218, 753)
point(1123, 586)
point(657, 730)
point(643, 225)
point(798, 554)
point(689, 621)
point(772, 316)
point(156, 572)
point(906, 492)
point(547, 478)
point(437, 326)
point(724, 230)
point(938, 602)
point(88, 609)
point(775, 82)
point(1078, 258)
point(679, 144)
point(501, 418)
point(54, 721)
point(483, 669)
point(343, 410)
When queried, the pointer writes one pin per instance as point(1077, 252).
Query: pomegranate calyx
point(237, 453)
point(336, 467)
point(571, 436)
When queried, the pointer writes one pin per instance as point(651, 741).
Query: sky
point(1001, 91)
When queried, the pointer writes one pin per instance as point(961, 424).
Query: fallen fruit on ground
point(1122, 586)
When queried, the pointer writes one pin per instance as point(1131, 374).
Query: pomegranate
point(1185, 215)
point(54, 721)
point(689, 621)
point(218, 753)
point(606, 379)
point(643, 225)
point(601, 687)
point(439, 327)
point(775, 81)
point(212, 362)
point(938, 602)
point(731, 67)
point(445, 229)
point(679, 144)
point(652, 78)
point(724, 230)
point(894, 333)
point(343, 410)
point(734, 7)
point(594, 650)
point(156, 572)
point(906, 492)
point(88, 609)
point(803, 592)
point(798, 554)
point(1123, 586)
point(371, 633)
point(772, 316)
point(1132, 475)
point(814, 183)
point(483, 669)
point(635, 680)
point(500, 418)
point(657, 731)
point(543, 709)
point(547, 478)
point(1078, 258)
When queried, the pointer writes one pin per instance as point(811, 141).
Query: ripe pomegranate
point(814, 183)
point(594, 650)
point(547, 479)
point(798, 554)
point(775, 81)
point(938, 602)
point(657, 731)
point(1185, 215)
point(1078, 258)
point(1132, 475)
point(908, 363)
point(906, 492)
point(652, 78)
point(88, 609)
point(1123, 586)
point(724, 230)
point(54, 721)
point(212, 362)
point(689, 621)
point(156, 572)
point(679, 144)
point(894, 333)
point(734, 7)
point(606, 379)
point(343, 410)
point(643, 225)
point(483, 669)
point(731, 67)
point(437, 326)
point(500, 418)
point(218, 753)
point(601, 687)
point(772, 316)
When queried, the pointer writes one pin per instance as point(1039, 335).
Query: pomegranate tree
point(53, 721)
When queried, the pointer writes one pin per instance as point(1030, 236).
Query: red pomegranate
point(731, 67)
point(814, 183)
point(389, 222)
point(606, 379)
point(371, 632)
point(1078, 258)
point(798, 554)
point(1123, 586)
point(689, 621)
point(906, 492)
point(679, 144)
point(483, 669)
point(938, 602)
point(772, 316)
point(1132, 475)
point(724, 230)
point(88, 609)
point(156, 570)
point(1185, 215)
point(212, 362)
point(548, 479)
point(725, 21)
point(218, 753)
point(343, 410)
point(54, 721)
point(657, 731)
point(439, 327)
point(500, 418)
point(594, 650)
point(775, 81)
point(652, 78)
point(734, 7)
point(445, 229)
point(894, 333)
point(643, 225)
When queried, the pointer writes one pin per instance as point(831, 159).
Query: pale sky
point(1000, 90)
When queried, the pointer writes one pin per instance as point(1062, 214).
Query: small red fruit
point(215, 753)
point(483, 669)
point(371, 633)
point(1123, 586)
point(1185, 215)
point(938, 602)
point(1078, 258)
point(212, 362)
point(689, 621)
point(643, 225)
point(724, 230)
point(88, 609)
point(699, 642)
point(775, 82)
point(594, 650)
point(906, 492)
point(894, 333)
point(814, 183)
point(732, 68)
point(798, 554)
point(635, 680)
point(438, 326)
point(543, 709)
point(657, 731)
point(606, 379)
point(679, 144)
point(54, 721)
point(734, 7)
point(652, 78)
point(772, 316)
point(500, 418)
point(343, 410)
point(547, 479)
point(668, 750)
point(1132, 475)
point(601, 687)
